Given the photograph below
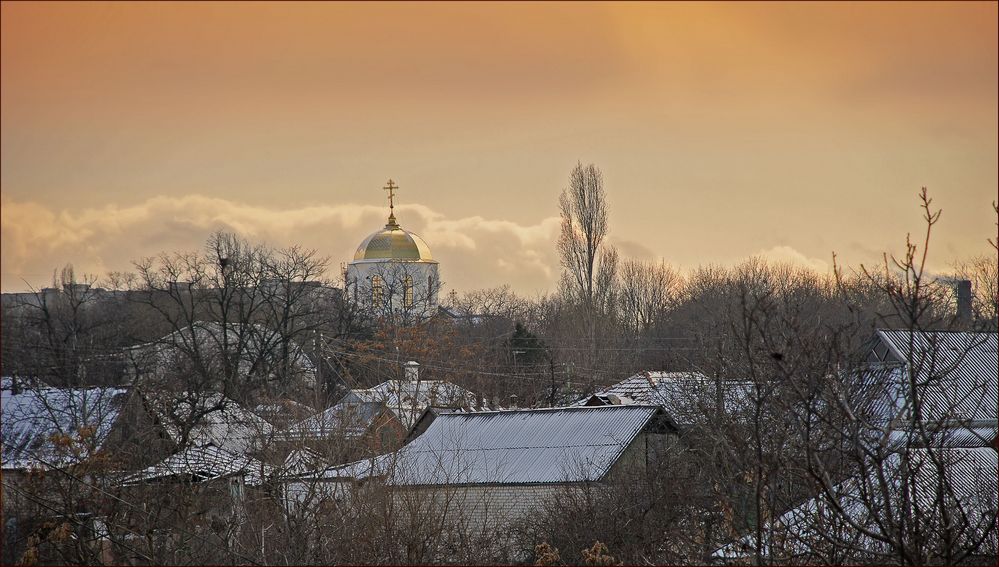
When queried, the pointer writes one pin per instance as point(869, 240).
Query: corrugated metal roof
point(30, 419)
point(946, 435)
point(971, 474)
point(510, 447)
point(203, 463)
point(684, 395)
point(348, 419)
point(959, 370)
point(956, 376)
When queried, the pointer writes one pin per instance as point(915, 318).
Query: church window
point(407, 291)
point(376, 290)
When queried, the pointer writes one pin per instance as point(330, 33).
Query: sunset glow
point(723, 130)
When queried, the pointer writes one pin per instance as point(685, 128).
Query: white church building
point(393, 270)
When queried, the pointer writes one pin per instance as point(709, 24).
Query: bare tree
point(647, 291)
point(983, 272)
point(64, 335)
point(584, 227)
point(883, 432)
point(589, 264)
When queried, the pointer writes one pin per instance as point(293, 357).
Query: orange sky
point(723, 130)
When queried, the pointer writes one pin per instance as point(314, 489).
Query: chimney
point(964, 301)
point(411, 370)
point(513, 401)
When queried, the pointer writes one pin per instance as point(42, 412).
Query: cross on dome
point(391, 187)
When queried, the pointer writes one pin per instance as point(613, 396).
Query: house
point(282, 412)
point(685, 396)
point(44, 428)
point(216, 468)
point(200, 463)
point(410, 397)
point(56, 427)
point(495, 467)
point(348, 430)
point(59, 428)
point(956, 374)
point(192, 419)
point(199, 488)
point(88, 432)
point(939, 464)
point(815, 531)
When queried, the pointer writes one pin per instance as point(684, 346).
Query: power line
point(532, 376)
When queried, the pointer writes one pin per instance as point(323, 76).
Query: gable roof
point(684, 395)
point(510, 447)
point(282, 411)
point(350, 419)
point(971, 481)
point(956, 376)
point(33, 419)
point(231, 427)
point(201, 463)
point(408, 398)
point(959, 369)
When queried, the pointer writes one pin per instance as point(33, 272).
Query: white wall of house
point(476, 508)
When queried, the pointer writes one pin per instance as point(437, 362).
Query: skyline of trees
point(233, 319)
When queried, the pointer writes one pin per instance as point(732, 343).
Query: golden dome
point(393, 243)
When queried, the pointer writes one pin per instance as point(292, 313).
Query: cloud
point(474, 251)
point(789, 255)
point(632, 249)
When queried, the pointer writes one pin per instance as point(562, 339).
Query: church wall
point(393, 277)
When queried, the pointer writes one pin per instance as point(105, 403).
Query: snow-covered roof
point(684, 395)
point(408, 398)
point(202, 463)
point(347, 419)
point(959, 371)
point(971, 488)
point(33, 420)
point(280, 407)
point(510, 447)
point(225, 424)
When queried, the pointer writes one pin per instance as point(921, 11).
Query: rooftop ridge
point(559, 408)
